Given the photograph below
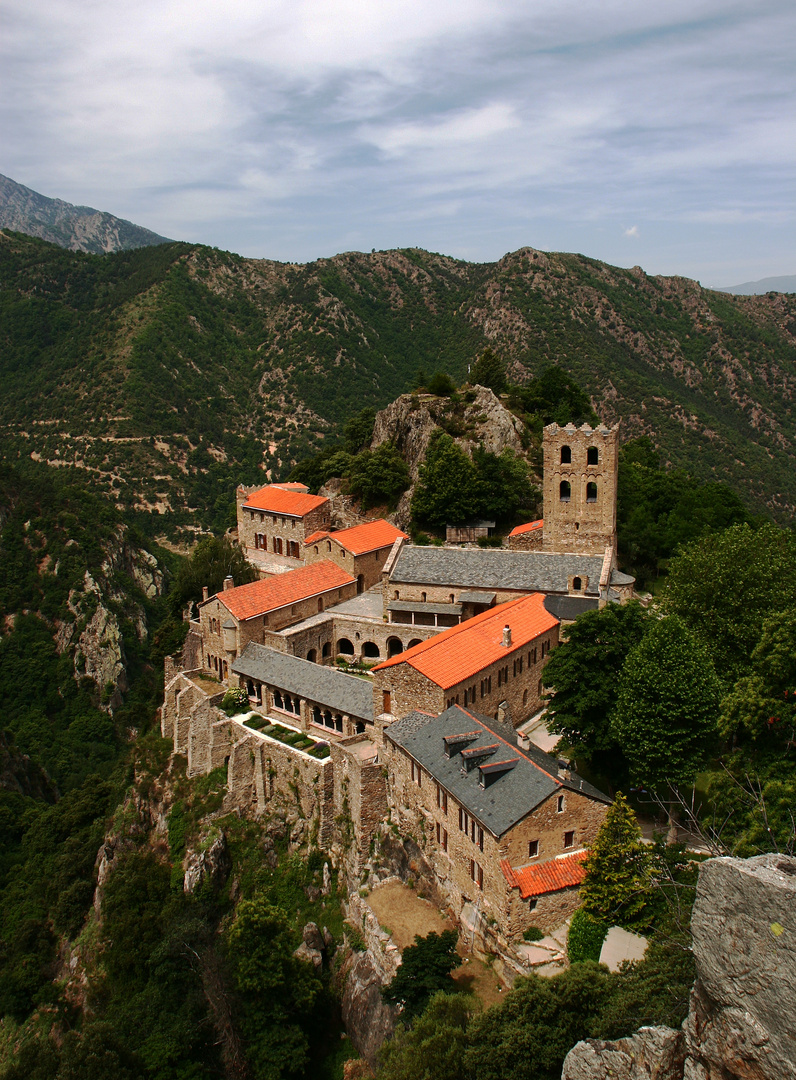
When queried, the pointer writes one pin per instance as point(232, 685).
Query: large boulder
point(741, 1023)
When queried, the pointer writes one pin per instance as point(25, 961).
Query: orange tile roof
point(529, 527)
point(550, 876)
point(278, 500)
point(459, 653)
point(360, 539)
point(248, 601)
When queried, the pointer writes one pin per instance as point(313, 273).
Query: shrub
point(235, 700)
point(533, 933)
point(586, 936)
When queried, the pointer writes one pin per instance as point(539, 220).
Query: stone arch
point(326, 651)
point(566, 455)
point(345, 647)
point(592, 456)
point(312, 656)
point(591, 492)
point(564, 491)
point(413, 642)
point(577, 584)
point(360, 583)
point(394, 646)
point(370, 649)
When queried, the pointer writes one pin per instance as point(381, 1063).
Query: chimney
point(228, 582)
point(506, 636)
point(205, 593)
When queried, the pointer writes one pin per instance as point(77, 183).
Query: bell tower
point(580, 476)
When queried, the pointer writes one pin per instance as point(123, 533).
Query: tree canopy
point(667, 706)
point(489, 370)
point(425, 970)
point(446, 489)
point(213, 559)
point(584, 673)
point(617, 870)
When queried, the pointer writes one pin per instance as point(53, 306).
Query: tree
point(441, 385)
point(278, 991)
point(425, 970)
point(530, 1033)
point(584, 673)
point(617, 870)
point(446, 489)
point(504, 485)
point(667, 707)
point(554, 397)
point(213, 559)
point(726, 585)
point(490, 371)
point(433, 1047)
point(762, 705)
point(378, 476)
point(358, 431)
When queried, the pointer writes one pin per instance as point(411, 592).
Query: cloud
point(466, 125)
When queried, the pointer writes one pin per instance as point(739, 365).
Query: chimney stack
point(228, 582)
point(506, 636)
point(205, 593)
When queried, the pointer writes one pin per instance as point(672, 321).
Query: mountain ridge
point(77, 228)
point(171, 373)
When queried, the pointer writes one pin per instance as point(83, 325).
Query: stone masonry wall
point(369, 564)
point(360, 799)
point(521, 690)
point(578, 525)
point(282, 526)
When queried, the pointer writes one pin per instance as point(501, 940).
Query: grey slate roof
point(567, 608)
point(326, 686)
point(474, 597)
point(490, 568)
point(508, 796)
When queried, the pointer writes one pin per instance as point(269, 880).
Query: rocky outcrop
point(209, 862)
point(741, 1023)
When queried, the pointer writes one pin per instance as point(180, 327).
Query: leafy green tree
point(433, 1047)
point(441, 385)
point(614, 889)
point(554, 397)
point(490, 371)
point(762, 705)
point(530, 1033)
point(213, 559)
point(726, 585)
point(446, 490)
point(504, 487)
point(378, 476)
point(277, 991)
point(585, 937)
point(358, 431)
point(584, 674)
point(667, 707)
point(425, 970)
point(752, 803)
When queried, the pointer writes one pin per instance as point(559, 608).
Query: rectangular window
point(472, 830)
point(560, 804)
point(569, 839)
point(533, 849)
point(532, 905)
point(386, 701)
point(439, 833)
point(442, 799)
point(464, 821)
point(477, 873)
point(444, 839)
point(481, 838)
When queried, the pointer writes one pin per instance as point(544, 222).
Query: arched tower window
point(592, 456)
point(566, 455)
point(591, 492)
point(577, 584)
point(565, 491)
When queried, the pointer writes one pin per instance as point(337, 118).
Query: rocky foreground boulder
point(741, 1023)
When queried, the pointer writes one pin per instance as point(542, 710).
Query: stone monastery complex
point(432, 740)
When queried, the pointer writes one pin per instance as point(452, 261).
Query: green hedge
point(585, 939)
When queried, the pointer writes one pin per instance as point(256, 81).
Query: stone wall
point(281, 526)
point(577, 524)
point(527, 541)
point(367, 567)
point(360, 798)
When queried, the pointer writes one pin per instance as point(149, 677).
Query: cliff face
point(742, 1021)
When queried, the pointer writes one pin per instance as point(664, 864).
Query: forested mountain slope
point(79, 228)
point(170, 373)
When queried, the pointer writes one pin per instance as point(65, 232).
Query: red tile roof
point(360, 539)
point(459, 653)
point(276, 499)
point(562, 873)
point(529, 527)
point(259, 597)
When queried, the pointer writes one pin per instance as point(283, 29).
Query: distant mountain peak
point(78, 228)
point(785, 283)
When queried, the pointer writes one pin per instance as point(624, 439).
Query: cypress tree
point(615, 887)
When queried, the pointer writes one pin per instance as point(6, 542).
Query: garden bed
point(289, 736)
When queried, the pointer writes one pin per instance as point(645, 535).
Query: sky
point(659, 135)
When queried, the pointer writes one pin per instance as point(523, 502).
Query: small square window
point(569, 838)
point(533, 849)
point(532, 905)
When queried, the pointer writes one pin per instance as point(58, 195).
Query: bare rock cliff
point(742, 1021)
